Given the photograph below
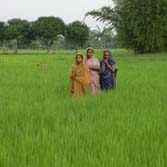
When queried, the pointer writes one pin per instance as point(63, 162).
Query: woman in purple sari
point(108, 70)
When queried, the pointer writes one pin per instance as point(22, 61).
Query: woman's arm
point(71, 86)
point(95, 67)
point(71, 80)
point(111, 68)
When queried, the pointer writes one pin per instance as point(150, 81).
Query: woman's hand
point(106, 62)
point(71, 86)
point(94, 68)
point(109, 66)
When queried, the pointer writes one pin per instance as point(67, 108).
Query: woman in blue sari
point(108, 70)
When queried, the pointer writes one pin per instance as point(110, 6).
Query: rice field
point(42, 126)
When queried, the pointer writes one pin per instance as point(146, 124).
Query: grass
point(42, 126)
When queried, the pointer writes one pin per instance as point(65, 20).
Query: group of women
point(90, 75)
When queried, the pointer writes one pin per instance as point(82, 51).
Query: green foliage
point(44, 33)
point(42, 126)
point(2, 29)
point(164, 21)
point(139, 24)
point(77, 34)
point(103, 38)
point(48, 29)
point(17, 29)
point(36, 44)
point(10, 45)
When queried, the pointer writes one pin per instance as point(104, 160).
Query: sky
point(68, 10)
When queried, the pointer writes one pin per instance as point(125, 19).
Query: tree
point(139, 24)
point(19, 31)
point(77, 34)
point(103, 36)
point(48, 29)
point(2, 29)
point(164, 21)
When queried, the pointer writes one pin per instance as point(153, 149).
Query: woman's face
point(89, 53)
point(79, 59)
point(107, 56)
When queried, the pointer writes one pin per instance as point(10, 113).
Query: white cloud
point(68, 10)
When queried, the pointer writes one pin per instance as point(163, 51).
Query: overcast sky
point(68, 10)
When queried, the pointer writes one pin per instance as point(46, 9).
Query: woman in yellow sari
point(79, 77)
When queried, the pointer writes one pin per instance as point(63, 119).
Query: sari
point(107, 78)
point(94, 75)
point(80, 80)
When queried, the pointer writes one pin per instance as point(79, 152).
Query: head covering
point(79, 54)
point(89, 48)
point(108, 51)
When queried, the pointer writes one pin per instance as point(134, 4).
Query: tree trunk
point(16, 50)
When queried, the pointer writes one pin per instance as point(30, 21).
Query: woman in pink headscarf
point(94, 68)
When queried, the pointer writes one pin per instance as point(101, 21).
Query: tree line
point(140, 25)
point(51, 33)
